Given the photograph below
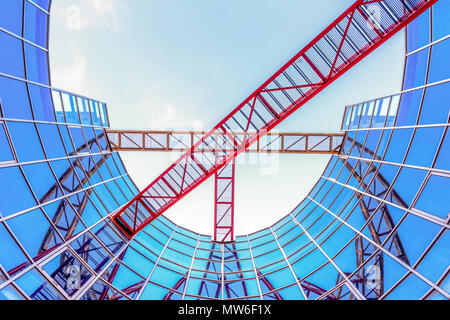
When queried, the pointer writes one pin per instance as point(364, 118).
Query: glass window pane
point(419, 32)
point(42, 103)
point(432, 197)
point(440, 63)
point(5, 147)
point(11, 16)
point(424, 146)
point(441, 27)
point(409, 108)
point(14, 98)
point(14, 197)
point(416, 69)
point(11, 56)
point(35, 25)
point(37, 64)
point(26, 141)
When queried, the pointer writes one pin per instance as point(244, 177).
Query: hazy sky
point(179, 64)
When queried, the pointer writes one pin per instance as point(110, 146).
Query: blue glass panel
point(360, 140)
point(393, 272)
point(104, 115)
point(66, 138)
point(52, 142)
point(40, 178)
point(106, 197)
point(138, 262)
point(436, 262)
point(371, 143)
point(11, 56)
point(154, 292)
point(383, 143)
point(102, 139)
point(398, 145)
point(5, 147)
point(25, 141)
point(10, 255)
point(408, 231)
point(440, 63)
point(98, 204)
point(11, 16)
point(408, 183)
point(409, 108)
point(53, 268)
point(14, 197)
point(90, 214)
point(116, 192)
point(36, 287)
point(14, 99)
point(356, 115)
point(444, 154)
point(412, 288)
point(436, 105)
point(41, 103)
point(37, 64)
point(393, 108)
point(60, 166)
point(366, 116)
point(78, 139)
point(90, 137)
point(95, 113)
point(10, 293)
point(57, 104)
point(35, 25)
point(131, 185)
point(419, 32)
point(441, 27)
point(380, 112)
point(346, 122)
point(432, 198)
point(106, 175)
point(44, 4)
point(424, 146)
point(31, 229)
point(70, 108)
point(83, 106)
point(416, 69)
point(119, 163)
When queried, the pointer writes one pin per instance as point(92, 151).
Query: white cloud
point(156, 112)
point(72, 76)
point(168, 116)
point(108, 10)
point(93, 14)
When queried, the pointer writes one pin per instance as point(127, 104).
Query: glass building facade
point(375, 226)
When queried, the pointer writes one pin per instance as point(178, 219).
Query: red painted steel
point(182, 141)
point(224, 204)
point(345, 42)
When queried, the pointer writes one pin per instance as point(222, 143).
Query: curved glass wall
point(375, 226)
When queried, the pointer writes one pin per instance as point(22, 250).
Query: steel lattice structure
point(355, 236)
point(176, 141)
point(182, 141)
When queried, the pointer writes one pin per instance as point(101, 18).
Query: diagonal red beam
point(275, 111)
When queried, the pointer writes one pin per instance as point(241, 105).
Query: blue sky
point(178, 64)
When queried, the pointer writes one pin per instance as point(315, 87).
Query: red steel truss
point(173, 141)
point(182, 141)
point(224, 204)
point(359, 30)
